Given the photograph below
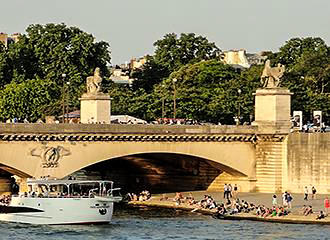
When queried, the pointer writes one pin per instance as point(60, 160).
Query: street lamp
point(174, 97)
point(63, 97)
point(67, 101)
point(163, 102)
point(239, 91)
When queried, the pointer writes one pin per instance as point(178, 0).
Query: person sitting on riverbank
point(5, 200)
point(144, 195)
point(266, 213)
point(178, 198)
point(282, 212)
point(259, 210)
point(321, 215)
point(220, 212)
point(164, 197)
point(132, 197)
point(308, 210)
point(190, 199)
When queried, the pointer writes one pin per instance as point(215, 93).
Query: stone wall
point(270, 156)
point(308, 162)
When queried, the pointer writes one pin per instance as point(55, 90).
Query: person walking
point(284, 199)
point(225, 191)
point(306, 193)
point(313, 192)
point(274, 202)
point(326, 205)
point(235, 192)
point(289, 200)
point(230, 189)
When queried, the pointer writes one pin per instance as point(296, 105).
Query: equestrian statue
point(94, 82)
point(271, 76)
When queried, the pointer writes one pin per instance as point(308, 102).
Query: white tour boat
point(62, 202)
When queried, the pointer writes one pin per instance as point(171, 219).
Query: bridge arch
point(237, 158)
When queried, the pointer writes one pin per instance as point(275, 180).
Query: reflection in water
point(145, 223)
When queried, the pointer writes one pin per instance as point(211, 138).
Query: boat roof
point(65, 182)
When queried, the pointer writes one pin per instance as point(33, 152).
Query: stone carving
point(50, 156)
point(271, 76)
point(94, 82)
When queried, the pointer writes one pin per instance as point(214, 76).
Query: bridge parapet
point(20, 128)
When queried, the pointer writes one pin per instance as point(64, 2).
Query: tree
point(48, 51)
point(31, 100)
point(171, 53)
point(203, 92)
point(292, 51)
point(307, 73)
point(151, 74)
point(4, 66)
point(126, 101)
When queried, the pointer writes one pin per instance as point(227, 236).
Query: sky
point(131, 27)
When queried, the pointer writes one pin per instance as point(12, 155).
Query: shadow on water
point(131, 222)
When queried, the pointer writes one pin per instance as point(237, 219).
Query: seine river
point(133, 223)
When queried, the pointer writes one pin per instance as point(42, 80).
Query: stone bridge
point(168, 157)
point(229, 153)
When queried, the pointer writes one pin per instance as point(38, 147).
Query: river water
point(145, 223)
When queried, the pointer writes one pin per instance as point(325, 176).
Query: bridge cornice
point(128, 138)
point(141, 138)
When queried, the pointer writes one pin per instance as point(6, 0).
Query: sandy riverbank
point(258, 198)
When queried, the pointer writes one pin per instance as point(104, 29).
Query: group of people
point(286, 200)
point(5, 200)
point(229, 191)
point(279, 211)
point(233, 207)
point(312, 191)
point(142, 196)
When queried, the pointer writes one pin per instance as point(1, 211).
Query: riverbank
point(295, 216)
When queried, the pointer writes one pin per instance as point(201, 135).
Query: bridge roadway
point(58, 150)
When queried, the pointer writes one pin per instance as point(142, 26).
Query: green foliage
point(125, 101)
point(151, 74)
point(208, 91)
point(307, 73)
point(30, 99)
point(48, 51)
point(171, 53)
point(4, 66)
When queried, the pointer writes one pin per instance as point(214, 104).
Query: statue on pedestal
point(271, 76)
point(94, 82)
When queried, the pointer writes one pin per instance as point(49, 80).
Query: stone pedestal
point(272, 110)
point(95, 108)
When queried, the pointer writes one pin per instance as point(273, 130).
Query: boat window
point(96, 204)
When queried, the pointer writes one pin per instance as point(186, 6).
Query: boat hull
point(60, 211)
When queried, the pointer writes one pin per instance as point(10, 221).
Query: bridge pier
point(272, 116)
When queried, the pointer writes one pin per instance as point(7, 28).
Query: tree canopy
point(31, 82)
point(45, 53)
point(307, 74)
point(171, 53)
